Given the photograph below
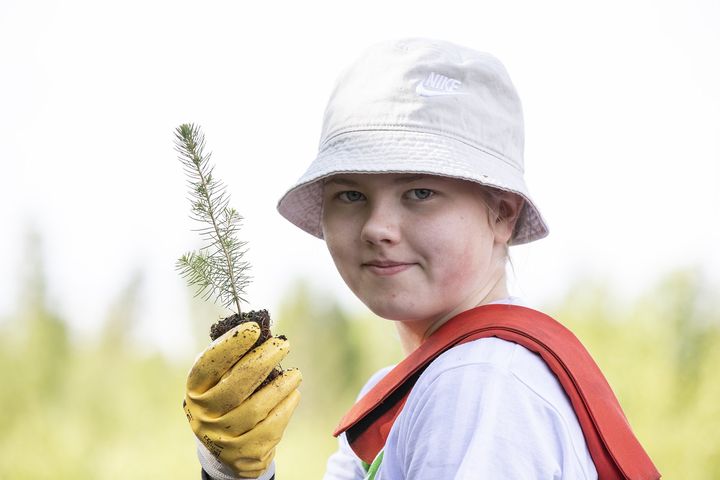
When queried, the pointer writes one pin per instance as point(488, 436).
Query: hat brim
point(402, 151)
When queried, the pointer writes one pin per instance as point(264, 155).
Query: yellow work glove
point(239, 427)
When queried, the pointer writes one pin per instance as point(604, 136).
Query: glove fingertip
point(292, 375)
point(244, 329)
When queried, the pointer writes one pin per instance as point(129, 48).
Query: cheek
point(335, 244)
point(340, 243)
point(332, 228)
point(460, 249)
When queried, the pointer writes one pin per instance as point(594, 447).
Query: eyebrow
point(351, 183)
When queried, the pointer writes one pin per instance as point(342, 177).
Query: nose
point(382, 225)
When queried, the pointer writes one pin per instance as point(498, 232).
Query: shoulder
point(501, 360)
point(488, 369)
point(490, 404)
point(495, 370)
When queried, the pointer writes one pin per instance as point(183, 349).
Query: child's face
point(414, 248)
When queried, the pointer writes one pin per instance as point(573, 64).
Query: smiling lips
point(386, 267)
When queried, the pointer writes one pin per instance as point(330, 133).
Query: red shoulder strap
point(616, 452)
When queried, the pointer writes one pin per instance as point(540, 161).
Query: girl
point(418, 191)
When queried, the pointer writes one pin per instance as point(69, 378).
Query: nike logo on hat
point(436, 84)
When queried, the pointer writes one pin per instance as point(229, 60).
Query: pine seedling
point(217, 269)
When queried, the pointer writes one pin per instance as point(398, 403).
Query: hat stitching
point(325, 144)
point(403, 127)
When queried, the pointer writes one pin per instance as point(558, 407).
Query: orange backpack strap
point(616, 452)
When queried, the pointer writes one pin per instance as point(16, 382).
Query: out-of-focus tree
point(322, 346)
point(122, 316)
point(685, 302)
point(44, 336)
point(660, 354)
point(85, 408)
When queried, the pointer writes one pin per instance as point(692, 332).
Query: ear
point(509, 207)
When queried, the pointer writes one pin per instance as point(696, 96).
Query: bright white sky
point(622, 112)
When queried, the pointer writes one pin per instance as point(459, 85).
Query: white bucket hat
point(418, 105)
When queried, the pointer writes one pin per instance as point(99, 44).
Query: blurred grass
point(106, 410)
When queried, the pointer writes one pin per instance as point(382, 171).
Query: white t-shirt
point(486, 409)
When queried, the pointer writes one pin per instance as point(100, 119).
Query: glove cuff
point(216, 470)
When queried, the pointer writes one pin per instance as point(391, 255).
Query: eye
point(351, 196)
point(420, 193)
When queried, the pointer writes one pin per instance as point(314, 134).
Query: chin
point(398, 304)
point(395, 311)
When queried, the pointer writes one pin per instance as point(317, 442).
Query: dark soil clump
point(262, 318)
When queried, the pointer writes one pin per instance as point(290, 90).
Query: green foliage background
point(103, 408)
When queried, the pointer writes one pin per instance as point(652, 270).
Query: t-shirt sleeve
point(344, 464)
point(480, 421)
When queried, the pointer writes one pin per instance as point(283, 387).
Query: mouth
point(386, 267)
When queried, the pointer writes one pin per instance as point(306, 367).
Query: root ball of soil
point(261, 317)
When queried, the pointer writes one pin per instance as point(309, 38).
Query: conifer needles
point(217, 268)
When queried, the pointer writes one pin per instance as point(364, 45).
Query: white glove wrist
point(219, 471)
